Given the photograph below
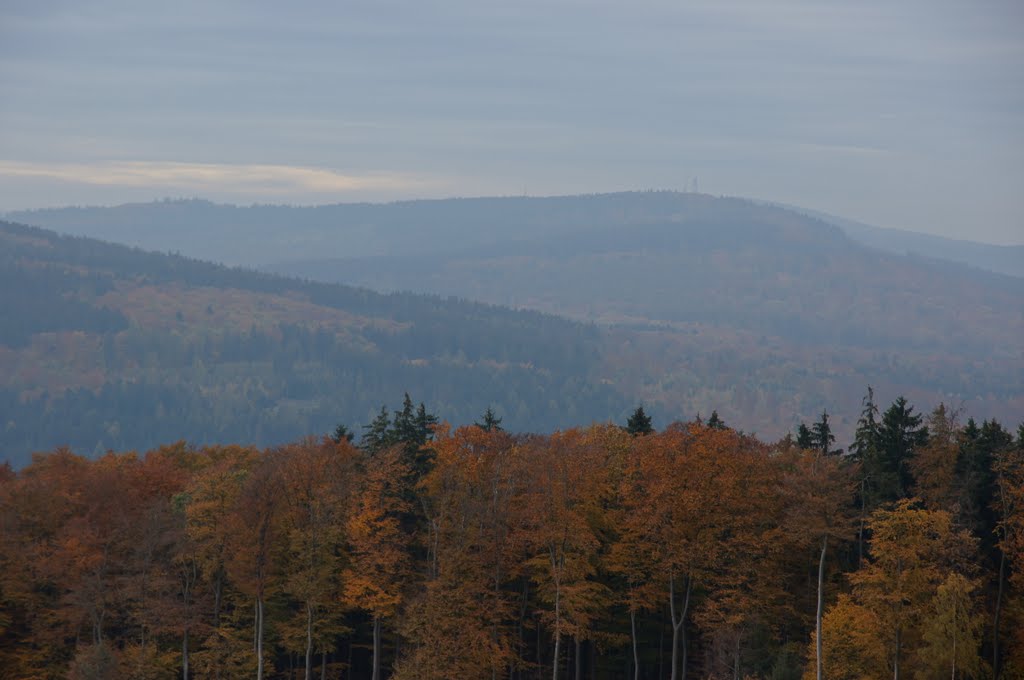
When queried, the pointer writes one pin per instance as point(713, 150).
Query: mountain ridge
point(122, 224)
point(763, 314)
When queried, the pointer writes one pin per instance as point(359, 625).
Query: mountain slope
point(262, 234)
point(733, 265)
point(106, 346)
point(1000, 259)
point(762, 313)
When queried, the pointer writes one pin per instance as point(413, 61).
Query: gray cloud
point(904, 114)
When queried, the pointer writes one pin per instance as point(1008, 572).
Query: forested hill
point(268, 234)
point(760, 312)
point(1007, 259)
point(103, 346)
point(763, 314)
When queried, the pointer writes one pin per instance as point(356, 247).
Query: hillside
point(1000, 259)
point(737, 265)
point(266, 234)
point(762, 313)
point(103, 346)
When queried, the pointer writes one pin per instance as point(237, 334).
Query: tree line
point(596, 552)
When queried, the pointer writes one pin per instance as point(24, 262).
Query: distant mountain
point(103, 346)
point(264, 235)
point(764, 314)
point(747, 308)
point(999, 259)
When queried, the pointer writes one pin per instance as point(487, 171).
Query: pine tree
point(490, 421)
point(900, 434)
point(865, 441)
point(716, 423)
point(804, 437)
point(866, 449)
point(425, 423)
point(404, 424)
point(976, 477)
point(821, 435)
point(342, 434)
point(378, 435)
point(639, 423)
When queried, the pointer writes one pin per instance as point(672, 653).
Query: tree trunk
point(896, 657)
point(520, 628)
point(999, 610)
point(309, 642)
point(678, 625)
point(736, 660)
point(860, 530)
point(218, 586)
point(184, 655)
point(558, 627)
point(954, 646)
point(376, 648)
point(540, 652)
point(259, 638)
point(821, 600)
point(558, 642)
point(636, 655)
point(323, 665)
point(579, 659)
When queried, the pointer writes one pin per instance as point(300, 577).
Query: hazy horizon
point(907, 117)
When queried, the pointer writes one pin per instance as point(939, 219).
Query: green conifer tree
point(900, 433)
point(378, 435)
point(804, 437)
point(490, 421)
point(342, 433)
point(639, 423)
point(822, 437)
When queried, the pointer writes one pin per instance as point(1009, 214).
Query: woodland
point(421, 551)
point(110, 347)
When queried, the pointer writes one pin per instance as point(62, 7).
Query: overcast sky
point(905, 114)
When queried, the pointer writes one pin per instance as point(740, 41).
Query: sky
point(899, 113)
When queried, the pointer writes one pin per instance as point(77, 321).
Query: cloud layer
point(255, 180)
point(906, 114)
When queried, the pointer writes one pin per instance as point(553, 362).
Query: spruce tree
point(822, 437)
point(404, 425)
point(865, 440)
point(716, 423)
point(342, 433)
point(490, 421)
point(980, 448)
point(865, 449)
point(639, 423)
point(804, 437)
point(378, 435)
point(901, 432)
point(425, 424)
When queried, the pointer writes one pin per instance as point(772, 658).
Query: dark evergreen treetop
point(490, 421)
point(405, 428)
point(804, 437)
point(715, 422)
point(822, 437)
point(639, 423)
point(378, 435)
point(424, 424)
point(900, 434)
point(342, 433)
point(865, 439)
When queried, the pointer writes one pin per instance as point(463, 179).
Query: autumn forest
point(418, 551)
